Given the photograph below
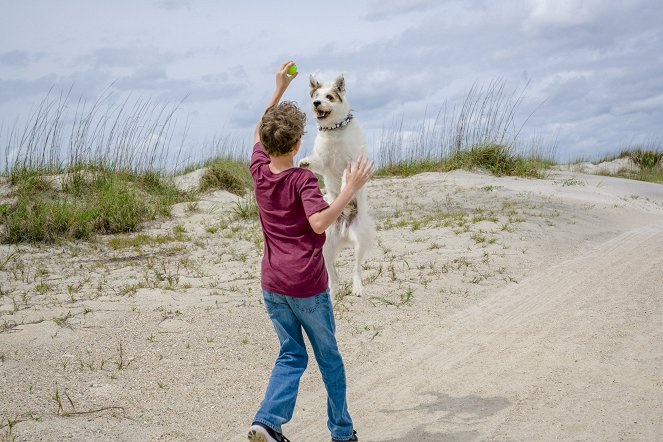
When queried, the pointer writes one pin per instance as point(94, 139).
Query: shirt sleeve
point(258, 157)
point(311, 196)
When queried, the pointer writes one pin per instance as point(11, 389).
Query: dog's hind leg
point(360, 250)
point(362, 234)
point(329, 251)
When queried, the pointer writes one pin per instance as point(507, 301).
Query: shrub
point(106, 203)
point(646, 159)
point(230, 175)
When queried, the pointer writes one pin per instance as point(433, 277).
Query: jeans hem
point(348, 437)
point(269, 424)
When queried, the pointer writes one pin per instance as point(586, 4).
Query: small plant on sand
point(405, 299)
point(246, 208)
point(12, 255)
point(344, 290)
point(57, 398)
point(374, 276)
point(10, 424)
point(62, 320)
point(192, 206)
point(121, 362)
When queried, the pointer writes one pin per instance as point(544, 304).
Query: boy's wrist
point(350, 190)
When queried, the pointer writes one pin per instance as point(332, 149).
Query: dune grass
point(102, 202)
point(496, 159)
point(228, 174)
point(101, 168)
point(96, 171)
point(481, 134)
point(647, 159)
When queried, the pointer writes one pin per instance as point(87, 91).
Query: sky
point(591, 70)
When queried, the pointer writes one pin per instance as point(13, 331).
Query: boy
point(294, 217)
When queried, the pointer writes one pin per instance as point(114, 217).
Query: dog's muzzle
point(319, 113)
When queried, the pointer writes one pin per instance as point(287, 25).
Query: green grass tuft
point(105, 202)
point(646, 159)
point(226, 174)
point(495, 158)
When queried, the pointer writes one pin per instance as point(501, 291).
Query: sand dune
point(496, 309)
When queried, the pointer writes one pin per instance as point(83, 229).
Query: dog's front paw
point(305, 162)
point(358, 290)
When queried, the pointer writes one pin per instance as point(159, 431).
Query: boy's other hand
point(358, 175)
point(283, 79)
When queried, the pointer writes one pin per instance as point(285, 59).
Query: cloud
point(589, 63)
point(19, 58)
point(646, 105)
point(173, 5)
point(596, 66)
point(13, 89)
point(146, 69)
point(381, 9)
point(107, 57)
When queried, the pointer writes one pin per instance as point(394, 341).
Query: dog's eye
point(330, 98)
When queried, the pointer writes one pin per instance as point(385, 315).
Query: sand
point(495, 309)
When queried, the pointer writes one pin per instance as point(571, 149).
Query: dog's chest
point(337, 147)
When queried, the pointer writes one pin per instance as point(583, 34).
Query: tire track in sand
point(493, 365)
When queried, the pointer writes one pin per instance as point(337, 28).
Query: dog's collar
point(338, 125)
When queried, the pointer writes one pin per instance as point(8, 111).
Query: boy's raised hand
point(358, 175)
point(282, 82)
point(282, 78)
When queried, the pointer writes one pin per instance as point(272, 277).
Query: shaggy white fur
point(340, 140)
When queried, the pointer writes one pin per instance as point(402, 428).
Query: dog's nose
point(316, 103)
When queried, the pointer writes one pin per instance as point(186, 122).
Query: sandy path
point(571, 353)
point(536, 314)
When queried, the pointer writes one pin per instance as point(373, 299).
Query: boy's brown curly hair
point(281, 127)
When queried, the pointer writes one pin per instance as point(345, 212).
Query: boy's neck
point(281, 163)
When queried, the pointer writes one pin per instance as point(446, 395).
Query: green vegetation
point(101, 201)
point(648, 161)
point(246, 208)
point(497, 159)
point(227, 174)
point(482, 134)
point(98, 171)
point(112, 180)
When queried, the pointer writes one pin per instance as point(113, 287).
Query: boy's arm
point(283, 80)
point(355, 180)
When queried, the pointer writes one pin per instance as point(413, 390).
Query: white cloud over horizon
point(595, 68)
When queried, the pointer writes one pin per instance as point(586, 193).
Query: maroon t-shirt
point(293, 264)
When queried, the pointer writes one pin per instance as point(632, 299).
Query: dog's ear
point(339, 84)
point(314, 83)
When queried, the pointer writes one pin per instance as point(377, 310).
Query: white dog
point(339, 140)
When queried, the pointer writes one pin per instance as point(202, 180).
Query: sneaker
point(262, 433)
point(354, 438)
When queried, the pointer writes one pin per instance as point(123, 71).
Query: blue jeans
point(316, 316)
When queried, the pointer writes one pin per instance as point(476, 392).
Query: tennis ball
point(292, 70)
